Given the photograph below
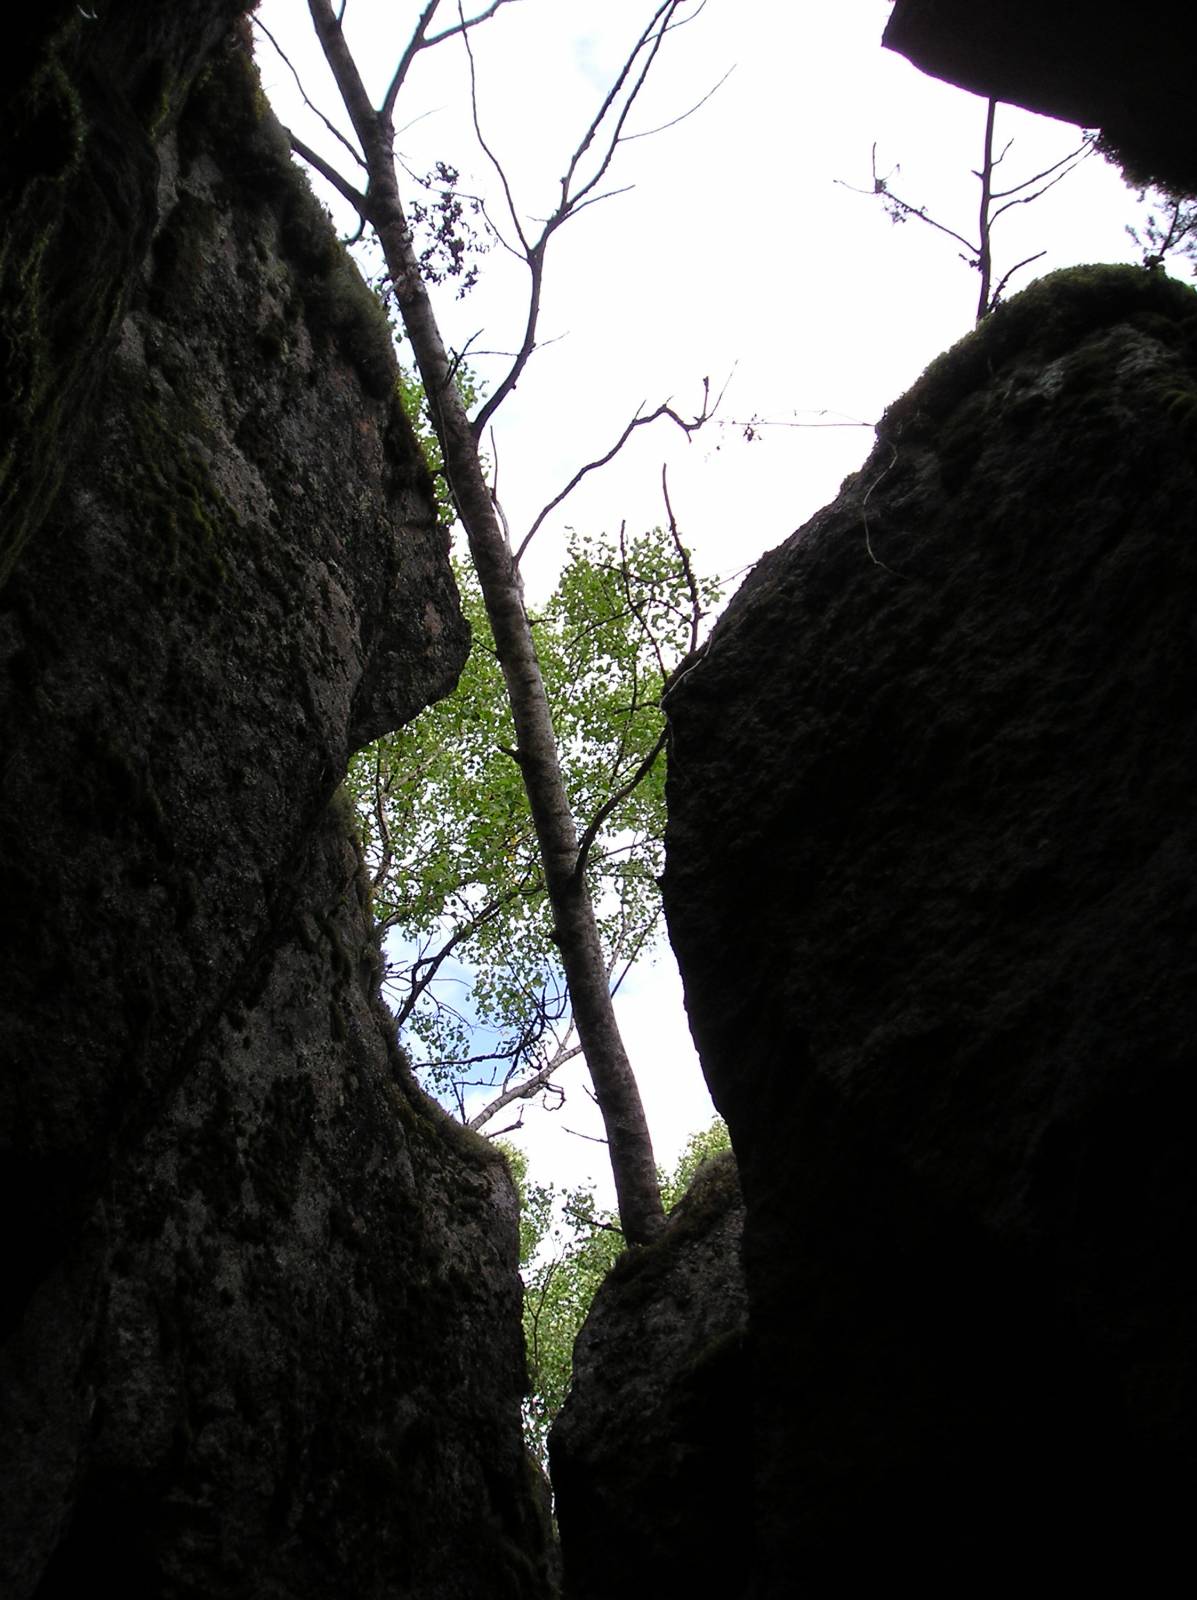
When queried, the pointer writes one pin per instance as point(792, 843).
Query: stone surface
point(650, 1455)
point(85, 97)
point(930, 880)
point(259, 1321)
point(1130, 74)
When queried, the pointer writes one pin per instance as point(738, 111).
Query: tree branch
point(985, 223)
point(639, 420)
point(683, 556)
point(571, 201)
point(617, 799)
point(575, 924)
point(526, 1089)
point(329, 173)
point(312, 107)
point(434, 963)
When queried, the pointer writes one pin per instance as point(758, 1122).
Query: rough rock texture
point(259, 1322)
point(650, 1455)
point(1129, 74)
point(85, 95)
point(930, 880)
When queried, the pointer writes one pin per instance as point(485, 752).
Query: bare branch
point(414, 45)
point(985, 222)
point(663, 127)
point(591, 1138)
point(639, 420)
point(617, 799)
point(591, 1221)
point(526, 1089)
point(641, 940)
point(329, 173)
point(996, 294)
point(373, 133)
point(980, 254)
point(753, 423)
point(683, 556)
point(420, 41)
point(485, 147)
point(312, 107)
point(658, 27)
point(636, 610)
point(1083, 150)
point(433, 964)
point(1026, 199)
point(898, 205)
point(572, 202)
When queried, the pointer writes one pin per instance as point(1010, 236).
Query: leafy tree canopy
point(472, 967)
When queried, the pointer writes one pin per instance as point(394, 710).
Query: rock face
point(1130, 76)
point(259, 1330)
point(930, 879)
point(650, 1455)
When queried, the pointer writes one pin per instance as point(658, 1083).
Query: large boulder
point(259, 1330)
point(651, 1454)
point(930, 879)
point(1130, 74)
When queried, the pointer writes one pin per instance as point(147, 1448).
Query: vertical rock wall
point(652, 1452)
point(259, 1330)
point(931, 884)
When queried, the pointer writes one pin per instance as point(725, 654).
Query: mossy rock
point(78, 180)
point(1040, 324)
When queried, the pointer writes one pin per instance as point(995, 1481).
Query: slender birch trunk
point(575, 930)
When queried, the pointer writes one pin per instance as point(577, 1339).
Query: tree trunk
point(576, 933)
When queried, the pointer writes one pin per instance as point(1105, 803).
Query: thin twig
point(641, 419)
point(683, 556)
point(663, 127)
point(526, 1089)
point(312, 107)
point(617, 799)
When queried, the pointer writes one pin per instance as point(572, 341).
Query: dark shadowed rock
point(930, 879)
point(1129, 73)
point(650, 1455)
point(259, 1327)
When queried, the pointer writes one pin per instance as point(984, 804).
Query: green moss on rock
point(231, 111)
point(1040, 324)
point(77, 184)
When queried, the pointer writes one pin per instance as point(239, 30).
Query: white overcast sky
point(736, 254)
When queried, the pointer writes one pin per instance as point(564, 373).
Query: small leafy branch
point(1169, 229)
point(445, 219)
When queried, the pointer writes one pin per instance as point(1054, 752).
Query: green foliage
point(1169, 229)
point(448, 837)
point(567, 1249)
point(700, 1147)
point(1043, 321)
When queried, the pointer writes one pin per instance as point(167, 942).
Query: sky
point(739, 254)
